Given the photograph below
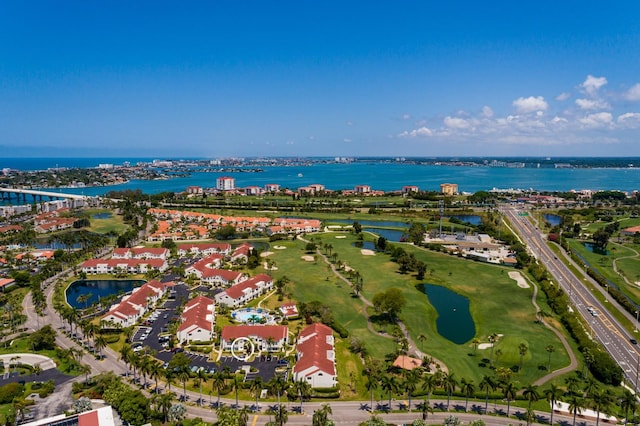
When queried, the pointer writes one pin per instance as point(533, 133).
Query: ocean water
point(380, 176)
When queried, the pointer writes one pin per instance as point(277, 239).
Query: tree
point(550, 349)
point(219, 383)
point(372, 385)
point(600, 400)
point(100, 343)
point(390, 385)
point(357, 228)
point(415, 233)
point(575, 406)
point(45, 338)
point(468, 389)
point(628, 402)
point(256, 386)
point(278, 385)
point(601, 238)
point(82, 404)
point(176, 412)
point(163, 402)
point(449, 384)
point(390, 302)
point(321, 416)
point(522, 350)
point(475, 342)
point(451, 421)
point(226, 232)
point(411, 384)
point(280, 414)
point(487, 385)
point(532, 395)
point(509, 392)
point(552, 394)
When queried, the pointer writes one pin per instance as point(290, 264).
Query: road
point(602, 325)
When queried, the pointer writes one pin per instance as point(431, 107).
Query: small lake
point(382, 223)
point(367, 245)
point(55, 245)
point(454, 320)
point(105, 215)
point(473, 219)
point(552, 219)
point(593, 249)
point(98, 289)
point(388, 234)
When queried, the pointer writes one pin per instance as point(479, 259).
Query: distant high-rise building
point(225, 183)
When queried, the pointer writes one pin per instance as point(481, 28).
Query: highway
point(601, 324)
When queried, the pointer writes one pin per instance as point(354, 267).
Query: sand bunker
point(308, 258)
point(266, 253)
point(484, 345)
point(366, 252)
point(519, 279)
point(279, 247)
point(341, 236)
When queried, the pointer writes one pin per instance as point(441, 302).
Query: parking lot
point(150, 335)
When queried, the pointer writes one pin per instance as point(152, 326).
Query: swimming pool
point(253, 316)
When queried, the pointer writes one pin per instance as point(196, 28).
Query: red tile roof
point(276, 332)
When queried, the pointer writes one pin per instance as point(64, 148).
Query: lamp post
point(636, 330)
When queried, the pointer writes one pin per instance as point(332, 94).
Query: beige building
point(449, 188)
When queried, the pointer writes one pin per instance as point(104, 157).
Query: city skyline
point(214, 80)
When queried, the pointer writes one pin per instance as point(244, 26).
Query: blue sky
point(219, 79)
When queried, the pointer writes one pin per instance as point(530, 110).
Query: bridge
point(6, 194)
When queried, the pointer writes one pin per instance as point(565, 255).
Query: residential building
point(271, 187)
point(131, 266)
point(225, 183)
point(269, 338)
point(133, 306)
point(409, 189)
point(362, 189)
point(242, 293)
point(203, 249)
point(198, 318)
point(316, 358)
point(449, 188)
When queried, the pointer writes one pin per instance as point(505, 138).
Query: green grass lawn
point(113, 223)
point(496, 303)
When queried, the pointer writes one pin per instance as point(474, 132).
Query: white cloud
point(630, 120)
point(597, 120)
point(633, 94)
point(530, 104)
point(346, 140)
point(406, 116)
point(349, 123)
point(563, 96)
point(487, 112)
point(422, 132)
point(591, 104)
point(557, 119)
point(592, 84)
point(456, 123)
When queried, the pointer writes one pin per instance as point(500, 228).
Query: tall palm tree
point(155, 371)
point(126, 353)
point(572, 383)
point(390, 385)
point(410, 384)
point(492, 339)
point(531, 393)
point(575, 406)
point(169, 376)
point(552, 394)
point(100, 342)
point(468, 389)
point(429, 384)
point(201, 375)
point(488, 384)
point(183, 376)
point(600, 400)
point(449, 384)
point(372, 385)
point(509, 392)
point(303, 390)
point(281, 415)
point(628, 402)
point(278, 385)
point(256, 386)
point(475, 342)
point(550, 349)
point(219, 383)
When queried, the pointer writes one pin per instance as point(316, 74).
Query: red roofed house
point(198, 319)
point(245, 291)
point(270, 338)
point(132, 266)
point(241, 253)
point(205, 249)
point(630, 231)
point(6, 283)
point(316, 363)
point(133, 306)
point(140, 253)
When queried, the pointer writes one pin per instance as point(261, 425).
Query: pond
point(454, 320)
point(388, 234)
point(104, 215)
point(552, 219)
point(44, 244)
point(367, 245)
point(597, 250)
point(365, 223)
point(473, 219)
point(97, 289)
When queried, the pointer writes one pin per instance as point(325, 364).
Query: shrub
point(10, 391)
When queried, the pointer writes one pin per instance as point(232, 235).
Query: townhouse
point(203, 249)
point(140, 253)
point(316, 358)
point(268, 338)
point(240, 294)
point(131, 266)
point(133, 306)
point(198, 319)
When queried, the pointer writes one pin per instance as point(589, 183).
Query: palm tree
point(169, 375)
point(572, 384)
point(600, 400)
point(468, 388)
point(281, 415)
point(449, 384)
point(303, 390)
point(372, 385)
point(278, 385)
point(390, 385)
point(550, 349)
point(410, 384)
point(164, 401)
point(86, 370)
point(498, 354)
point(100, 343)
point(256, 386)
point(487, 384)
point(475, 342)
point(155, 371)
point(429, 384)
point(219, 383)
point(183, 376)
point(628, 402)
point(575, 406)
point(552, 394)
point(509, 392)
point(321, 415)
point(201, 376)
point(531, 393)
point(492, 339)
